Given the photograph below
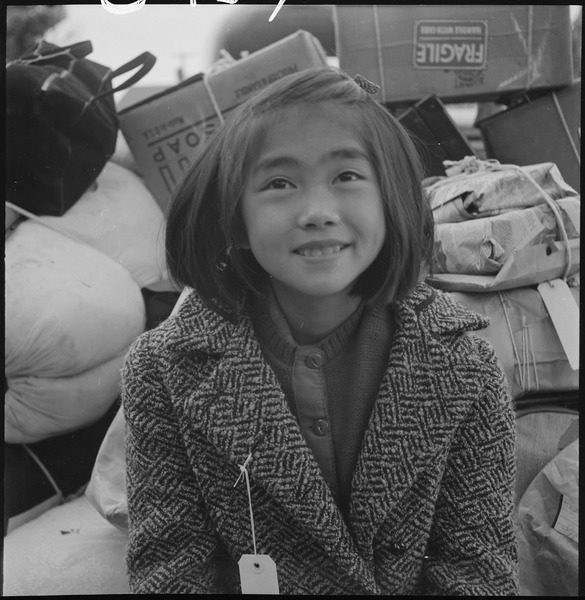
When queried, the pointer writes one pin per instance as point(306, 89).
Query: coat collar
point(239, 404)
point(201, 330)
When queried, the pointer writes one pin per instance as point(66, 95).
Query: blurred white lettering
point(275, 12)
point(122, 9)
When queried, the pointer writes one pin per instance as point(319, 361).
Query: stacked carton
point(507, 229)
point(517, 55)
point(507, 241)
point(166, 131)
point(510, 135)
point(460, 52)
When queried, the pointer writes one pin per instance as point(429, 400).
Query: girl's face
point(311, 205)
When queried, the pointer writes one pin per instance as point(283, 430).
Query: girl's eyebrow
point(350, 153)
point(276, 162)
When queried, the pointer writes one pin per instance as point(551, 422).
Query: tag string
point(244, 472)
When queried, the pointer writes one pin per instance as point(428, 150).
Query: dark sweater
point(355, 357)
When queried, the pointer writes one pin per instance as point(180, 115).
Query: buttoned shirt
point(326, 386)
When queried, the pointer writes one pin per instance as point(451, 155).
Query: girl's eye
point(349, 176)
point(278, 184)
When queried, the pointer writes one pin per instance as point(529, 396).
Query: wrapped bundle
point(69, 308)
point(475, 189)
point(499, 227)
point(483, 246)
point(525, 339)
point(547, 528)
point(61, 404)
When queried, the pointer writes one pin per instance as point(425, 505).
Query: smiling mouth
point(320, 251)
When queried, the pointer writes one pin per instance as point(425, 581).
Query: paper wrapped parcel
point(476, 188)
point(483, 246)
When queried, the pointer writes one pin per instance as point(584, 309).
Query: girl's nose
point(319, 212)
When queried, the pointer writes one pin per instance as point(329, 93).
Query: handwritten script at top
point(123, 9)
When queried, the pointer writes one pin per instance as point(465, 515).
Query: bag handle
point(145, 61)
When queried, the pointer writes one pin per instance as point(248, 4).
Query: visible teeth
point(326, 251)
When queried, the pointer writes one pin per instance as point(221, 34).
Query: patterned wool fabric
point(432, 492)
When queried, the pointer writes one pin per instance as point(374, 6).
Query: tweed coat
point(432, 491)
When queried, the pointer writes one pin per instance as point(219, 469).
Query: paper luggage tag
point(258, 574)
point(564, 314)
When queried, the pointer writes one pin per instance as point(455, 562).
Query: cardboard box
point(525, 339)
point(166, 131)
point(437, 135)
point(456, 52)
point(547, 129)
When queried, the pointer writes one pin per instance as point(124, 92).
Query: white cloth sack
point(68, 308)
point(123, 155)
point(67, 551)
point(106, 490)
point(61, 404)
point(120, 217)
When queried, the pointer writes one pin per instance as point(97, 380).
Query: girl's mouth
point(320, 251)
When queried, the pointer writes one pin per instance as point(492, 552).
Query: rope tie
point(379, 51)
point(514, 348)
point(44, 470)
point(212, 98)
point(566, 127)
point(37, 219)
point(530, 62)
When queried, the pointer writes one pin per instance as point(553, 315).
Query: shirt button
point(320, 427)
point(314, 360)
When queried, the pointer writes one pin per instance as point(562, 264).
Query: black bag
point(61, 123)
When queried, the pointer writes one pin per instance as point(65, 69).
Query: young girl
point(313, 403)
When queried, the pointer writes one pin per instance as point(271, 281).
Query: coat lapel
point(421, 401)
point(241, 406)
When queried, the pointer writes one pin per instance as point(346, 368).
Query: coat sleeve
point(472, 549)
point(172, 548)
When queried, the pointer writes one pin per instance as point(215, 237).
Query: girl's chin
point(320, 292)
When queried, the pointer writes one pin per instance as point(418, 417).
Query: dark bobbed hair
point(204, 220)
